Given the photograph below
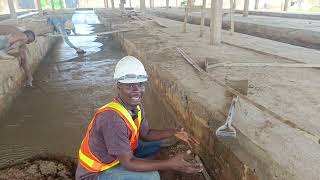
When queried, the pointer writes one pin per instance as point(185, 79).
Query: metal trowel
point(226, 130)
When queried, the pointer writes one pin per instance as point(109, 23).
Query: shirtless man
point(11, 38)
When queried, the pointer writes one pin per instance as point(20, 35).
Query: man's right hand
point(179, 164)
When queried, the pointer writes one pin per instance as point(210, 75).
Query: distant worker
point(64, 26)
point(119, 140)
point(12, 38)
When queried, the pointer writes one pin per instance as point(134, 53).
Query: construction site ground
point(277, 137)
point(283, 144)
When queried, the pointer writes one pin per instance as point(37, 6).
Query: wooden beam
point(202, 17)
point(216, 22)
point(286, 65)
point(246, 8)
point(285, 7)
point(13, 13)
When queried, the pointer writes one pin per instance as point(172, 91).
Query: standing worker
point(12, 38)
point(64, 26)
point(118, 138)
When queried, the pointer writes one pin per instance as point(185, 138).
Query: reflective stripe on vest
point(87, 159)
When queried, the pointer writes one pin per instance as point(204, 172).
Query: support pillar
point(256, 5)
point(246, 8)
point(12, 9)
point(285, 7)
point(216, 22)
point(167, 4)
point(202, 17)
point(142, 4)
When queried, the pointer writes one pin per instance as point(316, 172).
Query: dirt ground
point(41, 168)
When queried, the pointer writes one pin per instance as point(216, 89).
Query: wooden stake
point(204, 171)
point(216, 22)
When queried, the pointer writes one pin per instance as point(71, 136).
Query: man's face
point(131, 93)
point(30, 39)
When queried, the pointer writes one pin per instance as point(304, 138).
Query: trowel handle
point(232, 110)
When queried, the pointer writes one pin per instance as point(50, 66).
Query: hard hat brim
point(127, 81)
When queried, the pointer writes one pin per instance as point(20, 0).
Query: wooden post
point(203, 9)
point(61, 4)
point(106, 4)
point(12, 9)
point(246, 8)
point(142, 4)
point(167, 4)
point(37, 5)
point(52, 5)
point(151, 3)
point(285, 7)
point(216, 22)
point(187, 9)
point(112, 4)
point(256, 5)
point(232, 16)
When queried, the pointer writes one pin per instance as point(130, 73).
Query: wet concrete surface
point(52, 116)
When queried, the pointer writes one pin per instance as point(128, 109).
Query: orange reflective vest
point(87, 159)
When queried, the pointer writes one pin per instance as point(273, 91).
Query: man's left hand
point(186, 137)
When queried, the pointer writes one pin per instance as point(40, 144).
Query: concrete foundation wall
point(12, 76)
point(298, 37)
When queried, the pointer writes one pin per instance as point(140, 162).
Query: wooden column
point(202, 17)
point(106, 4)
point(112, 4)
point(232, 7)
point(12, 9)
point(37, 5)
point(256, 5)
point(285, 7)
point(246, 8)
point(142, 4)
point(52, 5)
point(216, 22)
point(61, 4)
point(187, 9)
point(167, 4)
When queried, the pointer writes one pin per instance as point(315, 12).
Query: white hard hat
point(130, 70)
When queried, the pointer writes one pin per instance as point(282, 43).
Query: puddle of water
point(53, 115)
